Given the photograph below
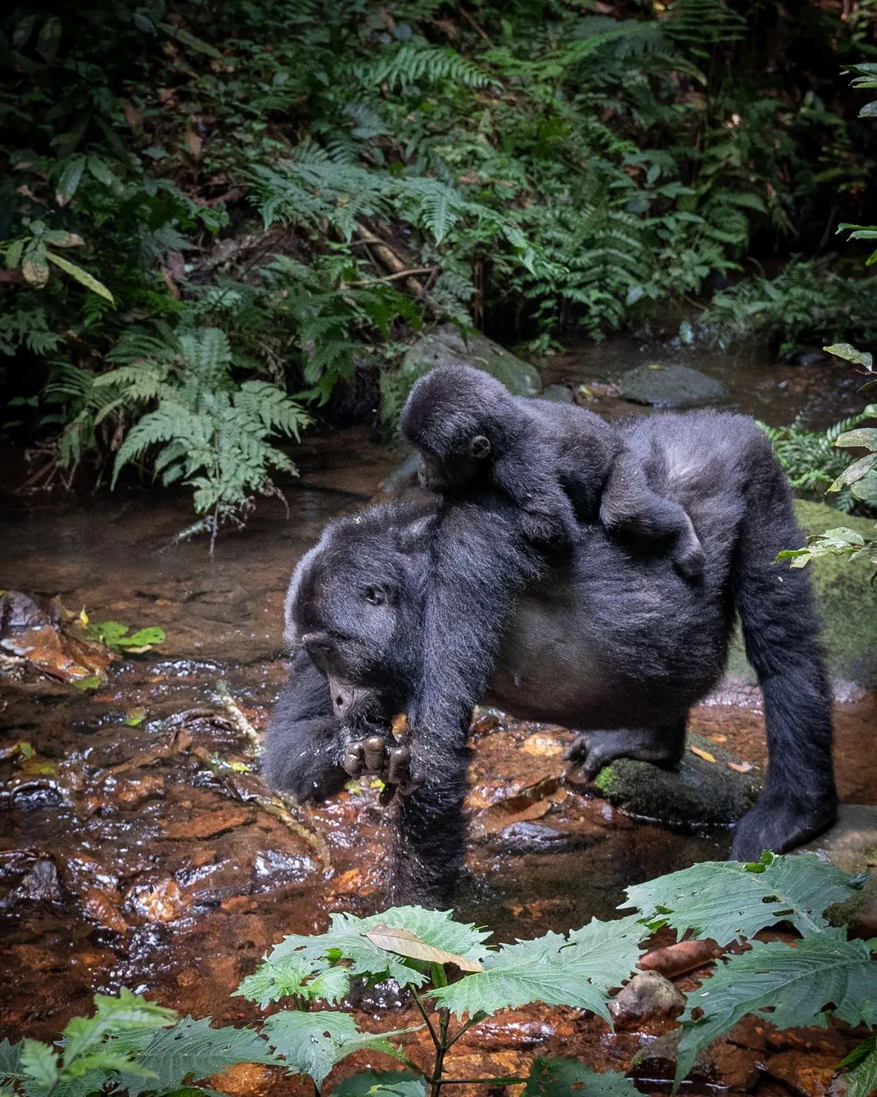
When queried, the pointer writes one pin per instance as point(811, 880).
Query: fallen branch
point(236, 715)
point(388, 258)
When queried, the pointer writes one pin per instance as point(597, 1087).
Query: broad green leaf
point(35, 268)
point(382, 1084)
point(848, 352)
point(860, 1070)
point(99, 168)
point(39, 1062)
point(347, 939)
point(49, 38)
point(81, 276)
point(273, 980)
point(863, 437)
point(406, 943)
point(790, 987)
point(551, 1076)
point(13, 253)
point(60, 239)
point(575, 971)
point(728, 900)
point(68, 184)
point(190, 40)
point(313, 1042)
point(143, 638)
point(866, 489)
point(191, 1049)
point(855, 471)
point(112, 1014)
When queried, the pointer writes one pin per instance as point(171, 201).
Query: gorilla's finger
point(399, 765)
point(374, 751)
point(353, 760)
point(577, 750)
point(411, 784)
point(386, 795)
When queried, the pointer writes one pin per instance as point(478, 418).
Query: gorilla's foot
point(779, 822)
point(375, 758)
point(590, 751)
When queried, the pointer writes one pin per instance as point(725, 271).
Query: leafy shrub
point(137, 1047)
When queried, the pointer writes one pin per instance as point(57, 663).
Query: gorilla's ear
point(411, 537)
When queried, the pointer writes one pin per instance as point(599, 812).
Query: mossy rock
point(670, 386)
point(697, 791)
point(845, 599)
point(851, 844)
point(446, 347)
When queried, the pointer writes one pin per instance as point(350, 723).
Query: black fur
point(558, 463)
point(602, 641)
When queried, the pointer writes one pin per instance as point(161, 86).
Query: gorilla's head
point(354, 605)
point(455, 416)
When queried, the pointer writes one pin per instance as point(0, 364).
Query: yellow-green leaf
point(406, 943)
point(34, 268)
point(81, 276)
point(60, 239)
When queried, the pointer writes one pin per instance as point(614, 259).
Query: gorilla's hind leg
point(780, 629)
point(590, 751)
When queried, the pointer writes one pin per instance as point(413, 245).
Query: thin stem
point(441, 1048)
point(465, 1028)
point(426, 1018)
point(480, 1081)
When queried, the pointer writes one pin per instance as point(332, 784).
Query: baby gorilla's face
point(457, 467)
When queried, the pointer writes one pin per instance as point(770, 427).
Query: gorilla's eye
point(480, 446)
point(375, 596)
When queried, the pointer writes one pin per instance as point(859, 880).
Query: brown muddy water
point(136, 847)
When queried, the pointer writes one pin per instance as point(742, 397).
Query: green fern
point(211, 433)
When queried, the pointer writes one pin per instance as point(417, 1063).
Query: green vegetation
point(133, 1046)
point(310, 183)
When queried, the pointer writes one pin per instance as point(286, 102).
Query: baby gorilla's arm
point(531, 481)
point(631, 507)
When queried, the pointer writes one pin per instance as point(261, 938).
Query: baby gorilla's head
point(453, 416)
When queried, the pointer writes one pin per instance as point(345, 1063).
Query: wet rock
point(446, 347)
point(159, 901)
point(646, 996)
point(806, 1075)
point(845, 602)
point(527, 837)
point(750, 1032)
point(680, 958)
point(42, 884)
point(736, 1067)
point(210, 824)
point(670, 386)
point(851, 844)
point(559, 394)
point(812, 357)
point(697, 791)
point(31, 630)
point(103, 907)
point(826, 1041)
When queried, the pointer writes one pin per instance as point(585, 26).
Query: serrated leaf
point(859, 1070)
point(575, 971)
point(727, 900)
point(112, 1014)
point(347, 939)
point(273, 980)
point(313, 1042)
point(10, 1059)
point(790, 987)
point(406, 943)
point(382, 1084)
point(39, 1062)
point(81, 276)
point(191, 1049)
point(552, 1076)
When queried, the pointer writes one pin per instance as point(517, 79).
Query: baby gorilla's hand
point(549, 527)
point(376, 757)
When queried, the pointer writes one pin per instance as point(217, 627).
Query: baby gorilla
point(559, 463)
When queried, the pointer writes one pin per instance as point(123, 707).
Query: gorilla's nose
point(343, 698)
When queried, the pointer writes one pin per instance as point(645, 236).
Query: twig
point(388, 258)
point(475, 26)
point(235, 714)
point(394, 277)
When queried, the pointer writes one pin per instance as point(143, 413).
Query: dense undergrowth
point(132, 1046)
point(312, 182)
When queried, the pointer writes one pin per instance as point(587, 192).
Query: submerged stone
point(446, 347)
point(697, 791)
point(670, 386)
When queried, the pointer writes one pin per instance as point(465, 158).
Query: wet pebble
point(646, 996)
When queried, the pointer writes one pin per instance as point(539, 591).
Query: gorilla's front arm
point(305, 745)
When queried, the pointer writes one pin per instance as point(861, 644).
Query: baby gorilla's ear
point(479, 446)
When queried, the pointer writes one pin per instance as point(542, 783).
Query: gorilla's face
point(456, 465)
point(354, 608)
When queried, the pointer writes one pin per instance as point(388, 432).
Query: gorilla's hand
point(375, 757)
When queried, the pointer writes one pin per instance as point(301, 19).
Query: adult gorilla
point(384, 615)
